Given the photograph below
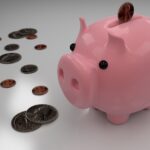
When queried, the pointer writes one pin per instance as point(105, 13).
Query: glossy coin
point(42, 114)
point(27, 31)
point(10, 58)
point(40, 47)
point(8, 83)
point(11, 47)
point(22, 124)
point(39, 90)
point(126, 12)
point(15, 35)
point(31, 36)
point(28, 69)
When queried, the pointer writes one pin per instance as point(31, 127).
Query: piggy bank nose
point(73, 75)
point(74, 82)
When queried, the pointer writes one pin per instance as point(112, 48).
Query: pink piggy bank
point(107, 68)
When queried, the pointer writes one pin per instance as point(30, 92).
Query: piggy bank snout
point(74, 83)
point(73, 80)
point(67, 73)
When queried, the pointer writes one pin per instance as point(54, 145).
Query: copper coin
point(40, 47)
point(42, 114)
point(10, 58)
point(31, 36)
point(8, 83)
point(39, 90)
point(126, 12)
point(11, 47)
point(22, 124)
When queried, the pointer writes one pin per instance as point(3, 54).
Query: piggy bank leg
point(117, 119)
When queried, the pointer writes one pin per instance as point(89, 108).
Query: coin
point(40, 90)
point(40, 47)
point(126, 12)
point(11, 47)
point(8, 83)
point(10, 58)
point(31, 36)
point(0, 38)
point(22, 124)
point(27, 31)
point(15, 35)
point(27, 69)
point(42, 114)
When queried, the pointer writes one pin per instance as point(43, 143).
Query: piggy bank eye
point(72, 46)
point(103, 64)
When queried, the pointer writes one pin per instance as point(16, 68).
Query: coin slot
point(61, 73)
point(75, 84)
point(117, 23)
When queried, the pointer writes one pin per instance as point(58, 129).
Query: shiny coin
point(8, 83)
point(10, 58)
point(40, 47)
point(126, 12)
point(31, 36)
point(27, 31)
point(15, 35)
point(11, 47)
point(39, 90)
point(27, 69)
point(22, 124)
point(42, 114)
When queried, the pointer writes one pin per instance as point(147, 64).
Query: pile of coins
point(37, 115)
point(28, 33)
point(34, 118)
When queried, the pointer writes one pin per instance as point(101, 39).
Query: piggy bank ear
point(116, 43)
point(83, 25)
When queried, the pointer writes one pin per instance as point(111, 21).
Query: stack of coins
point(29, 33)
point(34, 118)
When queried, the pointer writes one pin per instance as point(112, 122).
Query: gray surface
point(58, 25)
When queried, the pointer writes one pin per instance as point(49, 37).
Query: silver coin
point(22, 124)
point(42, 114)
point(28, 69)
point(11, 47)
point(15, 35)
point(27, 31)
point(10, 58)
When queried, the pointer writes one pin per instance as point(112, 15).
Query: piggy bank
point(108, 67)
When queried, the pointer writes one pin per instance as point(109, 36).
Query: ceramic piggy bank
point(108, 67)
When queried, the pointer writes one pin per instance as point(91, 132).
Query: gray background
point(58, 26)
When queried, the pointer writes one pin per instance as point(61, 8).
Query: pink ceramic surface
point(121, 88)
